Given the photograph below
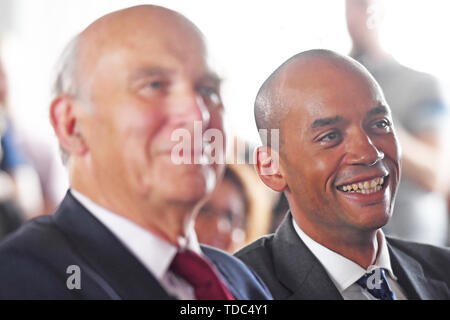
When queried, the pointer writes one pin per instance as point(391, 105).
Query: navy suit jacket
point(34, 262)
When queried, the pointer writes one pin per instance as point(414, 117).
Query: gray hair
point(66, 80)
point(66, 67)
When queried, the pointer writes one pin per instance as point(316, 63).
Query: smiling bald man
point(338, 163)
point(125, 227)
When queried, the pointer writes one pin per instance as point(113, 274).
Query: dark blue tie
point(376, 284)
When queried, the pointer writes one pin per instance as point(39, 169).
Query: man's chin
point(193, 184)
point(200, 175)
point(367, 212)
point(371, 218)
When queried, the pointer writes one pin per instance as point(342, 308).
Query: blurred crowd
point(242, 209)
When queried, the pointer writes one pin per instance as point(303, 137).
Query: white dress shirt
point(345, 273)
point(155, 253)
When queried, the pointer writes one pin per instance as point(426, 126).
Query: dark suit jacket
point(291, 271)
point(11, 218)
point(34, 261)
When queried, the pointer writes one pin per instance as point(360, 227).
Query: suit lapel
point(114, 267)
point(298, 269)
point(225, 275)
point(411, 277)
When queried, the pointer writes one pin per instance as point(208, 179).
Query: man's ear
point(66, 123)
point(268, 167)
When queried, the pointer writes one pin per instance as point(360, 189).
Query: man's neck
point(358, 246)
point(169, 221)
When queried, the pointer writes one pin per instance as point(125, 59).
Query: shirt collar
point(342, 271)
point(143, 244)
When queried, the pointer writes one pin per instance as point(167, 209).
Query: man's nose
point(361, 150)
point(191, 108)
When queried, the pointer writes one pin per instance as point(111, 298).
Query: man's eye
point(383, 125)
point(155, 84)
point(207, 91)
point(210, 94)
point(329, 137)
point(206, 211)
point(152, 88)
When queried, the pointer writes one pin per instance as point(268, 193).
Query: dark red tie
point(200, 274)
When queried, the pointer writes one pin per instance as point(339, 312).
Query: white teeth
point(365, 187)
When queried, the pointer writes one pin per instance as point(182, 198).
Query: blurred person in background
point(10, 216)
point(263, 215)
point(24, 181)
point(235, 214)
point(222, 221)
point(422, 121)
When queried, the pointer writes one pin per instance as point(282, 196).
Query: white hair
point(66, 80)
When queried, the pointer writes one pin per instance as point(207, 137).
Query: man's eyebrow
point(380, 109)
point(212, 77)
point(155, 71)
point(323, 122)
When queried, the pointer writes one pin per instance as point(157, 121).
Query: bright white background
point(247, 40)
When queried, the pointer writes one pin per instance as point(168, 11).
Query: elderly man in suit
point(338, 162)
point(125, 227)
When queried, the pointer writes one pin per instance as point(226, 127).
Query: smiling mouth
point(364, 187)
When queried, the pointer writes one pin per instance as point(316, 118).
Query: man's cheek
point(320, 165)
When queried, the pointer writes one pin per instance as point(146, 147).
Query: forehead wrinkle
point(149, 72)
point(146, 72)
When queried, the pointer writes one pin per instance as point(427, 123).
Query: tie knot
point(200, 273)
point(377, 285)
